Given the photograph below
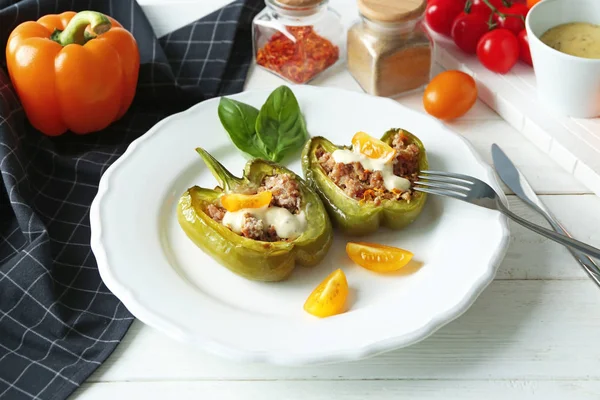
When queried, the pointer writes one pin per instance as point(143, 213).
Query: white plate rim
point(154, 320)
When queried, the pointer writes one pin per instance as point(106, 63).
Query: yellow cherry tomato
point(378, 257)
point(329, 298)
point(235, 201)
point(450, 95)
point(372, 147)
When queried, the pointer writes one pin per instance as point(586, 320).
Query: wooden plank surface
point(530, 335)
point(319, 390)
point(517, 329)
point(169, 15)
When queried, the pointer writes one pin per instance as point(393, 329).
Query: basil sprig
point(272, 133)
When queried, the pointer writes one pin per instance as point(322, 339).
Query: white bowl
point(566, 84)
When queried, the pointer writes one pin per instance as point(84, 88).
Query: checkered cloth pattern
point(58, 322)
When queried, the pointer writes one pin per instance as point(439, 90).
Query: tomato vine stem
point(501, 14)
point(468, 6)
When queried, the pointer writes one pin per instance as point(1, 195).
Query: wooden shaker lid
point(392, 10)
point(298, 3)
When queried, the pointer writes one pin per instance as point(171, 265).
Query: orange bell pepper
point(73, 71)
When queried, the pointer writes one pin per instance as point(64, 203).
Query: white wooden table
point(532, 334)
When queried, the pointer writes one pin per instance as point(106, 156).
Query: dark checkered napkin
point(58, 322)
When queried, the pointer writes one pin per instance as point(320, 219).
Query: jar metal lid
point(390, 11)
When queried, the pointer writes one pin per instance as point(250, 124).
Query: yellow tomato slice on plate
point(329, 298)
point(378, 257)
point(372, 147)
point(236, 201)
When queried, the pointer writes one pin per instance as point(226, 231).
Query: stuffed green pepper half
point(368, 184)
point(260, 225)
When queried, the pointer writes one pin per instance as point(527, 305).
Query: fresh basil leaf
point(280, 124)
point(239, 120)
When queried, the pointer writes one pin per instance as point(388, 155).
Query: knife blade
point(516, 181)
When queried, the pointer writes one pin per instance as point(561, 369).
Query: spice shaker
point(297, 39)
point(389, 51)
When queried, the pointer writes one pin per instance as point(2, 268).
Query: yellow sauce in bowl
point(578, 39)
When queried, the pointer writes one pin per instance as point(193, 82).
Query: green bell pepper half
point(361, 218)
point(253, 259)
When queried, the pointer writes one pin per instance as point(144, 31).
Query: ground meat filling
point(285, 190)
point(406, 163)
point(286, 194)
point(361, 184)
point(215, 212)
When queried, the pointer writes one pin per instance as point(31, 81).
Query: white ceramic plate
point(146, 260)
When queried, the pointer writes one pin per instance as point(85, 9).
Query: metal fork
point(475, 191)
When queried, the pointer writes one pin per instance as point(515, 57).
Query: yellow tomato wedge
point(372, 147)
point(236, 201)
point(329, 298)
point(378, 257)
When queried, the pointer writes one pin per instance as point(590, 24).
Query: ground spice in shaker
point(389, 51)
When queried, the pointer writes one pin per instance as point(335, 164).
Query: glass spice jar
point(389, 52)
point(297, 39)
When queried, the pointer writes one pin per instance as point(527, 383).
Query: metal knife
point(515, 180)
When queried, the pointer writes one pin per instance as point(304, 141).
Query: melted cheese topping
point(286, 224)
point(390, 181)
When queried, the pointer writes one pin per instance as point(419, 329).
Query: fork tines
point(444, 183)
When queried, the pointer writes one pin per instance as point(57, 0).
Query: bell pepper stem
point(225, 178)
point(75, 32)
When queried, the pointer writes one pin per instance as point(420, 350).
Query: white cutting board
point(572, 142)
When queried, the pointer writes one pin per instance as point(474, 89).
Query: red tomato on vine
point(480, 7)
point(524, 51)
point(512, 18)
point(498, 50)
point(467, 30)
point(440, 14)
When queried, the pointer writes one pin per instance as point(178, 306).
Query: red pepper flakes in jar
point(297, 39)
point(298, 62)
